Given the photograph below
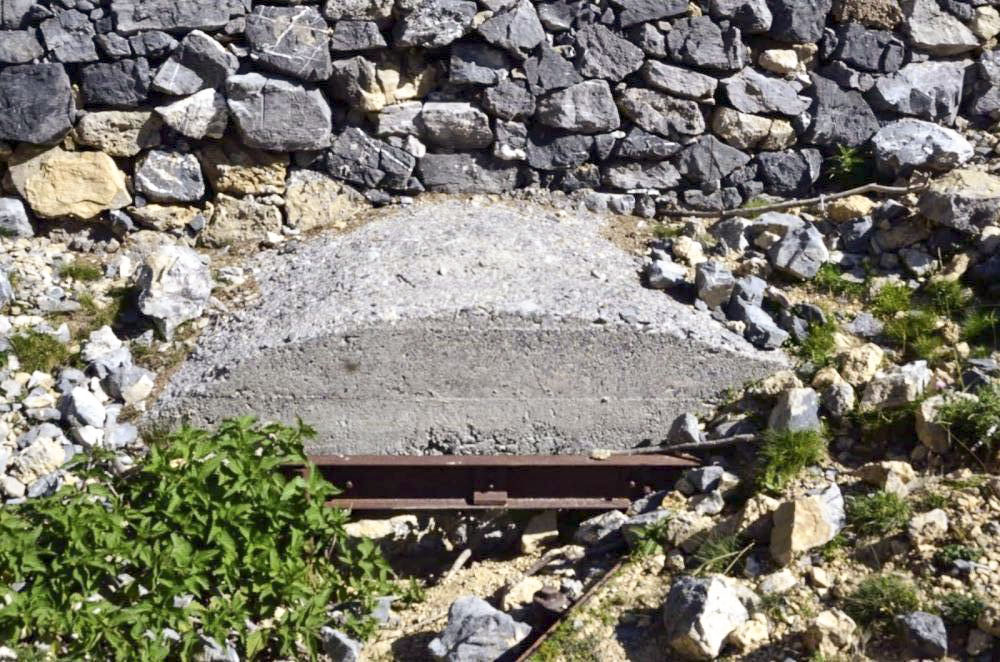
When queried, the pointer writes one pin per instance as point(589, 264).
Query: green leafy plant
point(878, 599)
point(952, 552)
point(820, 344)
point(664, 231)
point(961, 608)
point(207, 538)
point(880, 424)
point(879, 513)
point(947, 297)
point(850, 167)
point(974, 424)
point(915, 332)
point(931, 500)
point(649, 539)
point(892, 298)
point(785, 453)
point(38, 351)
point(84, 272)
point(830, 279)
point(719, 554)
point(981, 327)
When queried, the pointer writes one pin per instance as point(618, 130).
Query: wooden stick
point(457, 565)
point(807, 202)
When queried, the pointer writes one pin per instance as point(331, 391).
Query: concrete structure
point(459, 327)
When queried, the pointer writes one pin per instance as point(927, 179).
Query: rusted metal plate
point(519, 482)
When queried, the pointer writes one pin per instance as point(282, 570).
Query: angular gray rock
point(934, 30)
point(600, 528)
point(761, 329)
point(434, 23)
point(986, 91)
point(278, 115)
point(928, 90)
point(699, 614)
point(163, 176)
point(755, 93)
point(477, 64)
point(456, 125)
point(924, 634)
point(199, 62)
point(36, 103)
point(679, 81)
point(551, 152)
point(964, 200)
point(202, 115)
point(19, 47)
point(798, 21)
point(69, 37)
point(709, 160)
point(629, 175)
point(379, 11)
point(586, 107)
point(750, 16)
point(476, 632)
point(790, 172)
point(897, 387)
point(14, 13)
point(639, 145)
point(121, 84)
point(400, 119)
point(840, 117)
point(662, 114)
point(466, 173)
point(603, 54)
point(878, 51)
point(356, 36)
point(800, 253)
point(510, 100)
point(796, 409)
point(684, 430)
point(699, 42)
point(471, 347)
point(910, 144)
point(14, 219)
point(294, 41)
point(631, 12)
point(172, 15)
point(175, 284)
point(713, 283)
point(339, 646)
point(517, 30)
point(548, 70)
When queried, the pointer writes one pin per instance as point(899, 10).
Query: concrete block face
point(455, 328)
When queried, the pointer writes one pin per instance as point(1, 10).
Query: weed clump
point(84, 272)
point(830, 279)
point(38, 351)
point(879, 513)
point(879, 599)
point(850, 167)
point(785, 453)
point(820, 344)
point(974, 424)
point(961, 608)
point(718, 554)
point(207, 538)
point(891, 299)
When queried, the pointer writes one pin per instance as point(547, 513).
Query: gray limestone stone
point(798, 21)
point(600, 528)
point(684, 430)
point(546, 151)
point(173, 15)
point(199, 62)
point(603, 54)
point(750, 16)
point(679, 81)
point(699, 614)
point(69, 37)
point(36, 103)
point(163, 176)
point(986, 91)
point(840, 117)
point(699, 42)
point(202, 115)
point(456, 125)
point(910, 144)
point(278, 115)
point(510, 100)
point(517, 30)
point(477, 64)
point(548, 70)
point(19, 46)
point(632, 175)
point(639, 145)
point(14, 13)
point(796, 409)
point(713, 283)
point(934, 30)
point(434, 23)
point(929, 90)
point(800, 253)
point(631, 12)
point(175, 284)
point(14, 219)
point(121, 84)
point(586, 107)
point(466, 173)
point(709, 160)
point(755, 93)
point(356, 36)
point(878, 51)
point(476, 632)
point(790, 173)
point(924, 634)
point(662, 114)
point(294, 41)
point(470, 369)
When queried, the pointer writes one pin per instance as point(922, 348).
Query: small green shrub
point(981, 327)
point(820, 345)
point(915, 333)
point(830, 279)
point(718, 554)
point(850, 167)
point(947, 297)
point(974, 424)
point(784, 454)
point(877, 600)
point(961, 608)
point(891, 299)
point(879, 425)
point(931, 501)
point(664, 231)
point(84, 272)
point(207, 537)
point(38, 351)
point(879, 513)
point(650, 539)
point(952, 552)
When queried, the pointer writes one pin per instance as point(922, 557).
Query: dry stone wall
point(207, 116)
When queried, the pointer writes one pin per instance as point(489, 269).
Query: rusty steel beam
point(514, 482)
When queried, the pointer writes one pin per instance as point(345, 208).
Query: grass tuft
point(879, 513)
point(891, 299)
point(785, 454)
point(38, 351)
point(961, 608)
point(85, 272)
point(830, 279)
point(820, 345)
point(947, 297)
point(718, 554)
point(850, 167)
point(878, 600)
point(981, 327)
point(974, 424)
point(915, 333)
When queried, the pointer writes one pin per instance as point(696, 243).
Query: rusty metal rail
point(514, 482)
